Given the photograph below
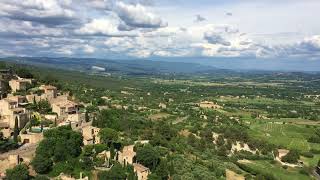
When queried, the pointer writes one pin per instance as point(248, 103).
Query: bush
point(291, 157)
point(20, 172)
point(315, 151)
point(307, 154)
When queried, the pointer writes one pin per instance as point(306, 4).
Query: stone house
point(50, 92)
point(64, 107)
point(141, 171)
point(281, 153)
point(90, 135)
point(209, 105)
point(20, 99)
point(127, 155)
point(10, 110)
point(162, 106)
point(6, 132)
point(31, 138)
point(19, 84)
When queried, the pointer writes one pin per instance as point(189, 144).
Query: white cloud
point(88, 49)
point(64, 51)
point(136, 15)
point(139, 28)
point(103, 26)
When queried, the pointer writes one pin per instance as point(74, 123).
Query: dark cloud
point(199, 18)
point(50, 12)
point(213, 38)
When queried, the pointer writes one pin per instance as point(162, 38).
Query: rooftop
point(65, 103)
point(48, 87)
point(140, 167)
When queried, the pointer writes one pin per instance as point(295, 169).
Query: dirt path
point(25, 150)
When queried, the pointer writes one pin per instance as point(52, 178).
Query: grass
point(312, 162)
point(290, 136)
point(277, 170)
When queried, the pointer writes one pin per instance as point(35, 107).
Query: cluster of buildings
point(13, 107)
point(13, 112)
point(127, 156)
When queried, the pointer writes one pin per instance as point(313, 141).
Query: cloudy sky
point(160, 28)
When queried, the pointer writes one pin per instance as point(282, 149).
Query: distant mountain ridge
point(130, 67)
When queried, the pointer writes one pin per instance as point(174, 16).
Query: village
point(24, 126)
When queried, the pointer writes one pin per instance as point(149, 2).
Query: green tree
point(108, 135)
point(116, 172)
point(292, 157)
point(16, 130)
point(41, 164)
point(148, 156)
point(162, 170)
point(43, 107)
point(41, 177)
point(20, 172)
point(86, 117)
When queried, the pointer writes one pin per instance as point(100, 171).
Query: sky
point(264, 29)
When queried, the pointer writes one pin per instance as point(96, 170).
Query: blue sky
point(265, 29)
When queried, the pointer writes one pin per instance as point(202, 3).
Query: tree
point(148, 156)
point(108, 135)
point(86, 117)
point(162, 170)
point(41, 164)
point(59, 144)
point(319, 163)
point(220, 140)
point(41, 177)
point(116, 172)
point(16, 130)
point(291, 157)
point(20, 172)
point(43, 107)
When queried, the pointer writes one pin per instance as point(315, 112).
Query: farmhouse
point(282, 153)
point(141, 171)
point(50, 92)
point(127, 155)
point(90, 135)
point(19, 84)
point(162, 106)
point(209, 105)
point(64, 107)
point(10, 110)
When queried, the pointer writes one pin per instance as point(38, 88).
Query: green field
point(290, 136)
point(277, 170)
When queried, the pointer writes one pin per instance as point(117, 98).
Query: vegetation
point(18, 172)
point(258, 113)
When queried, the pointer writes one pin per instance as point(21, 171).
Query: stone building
point(90, 135)
point(64, 107)
point(31, 138)
point(19, 84)
point(127, 155)
point(208, 105)
point(141, 171)
point(10, 110)
point(50, 92)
